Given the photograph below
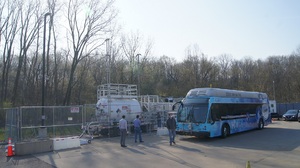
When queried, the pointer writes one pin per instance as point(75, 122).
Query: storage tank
point(117, 107)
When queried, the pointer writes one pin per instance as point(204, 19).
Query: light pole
point(108, 60)
point(43, 79)
point(108, 79)
point(138, 67)
point(274, 90)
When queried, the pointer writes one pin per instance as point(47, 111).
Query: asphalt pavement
point(276, 146)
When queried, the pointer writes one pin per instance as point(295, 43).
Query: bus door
point(214, 118)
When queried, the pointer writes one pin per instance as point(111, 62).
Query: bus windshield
point(196, 113)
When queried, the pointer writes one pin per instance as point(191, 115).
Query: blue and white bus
point(217, 112)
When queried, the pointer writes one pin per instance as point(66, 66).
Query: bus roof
point(217, 92)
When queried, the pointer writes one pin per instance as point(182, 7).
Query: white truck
point(273, 109)
point(272, 104)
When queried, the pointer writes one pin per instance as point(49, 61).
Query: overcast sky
point(240, 28)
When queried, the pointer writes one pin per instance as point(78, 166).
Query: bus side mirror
point(174, 106)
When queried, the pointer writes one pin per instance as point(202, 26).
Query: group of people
point(171, 126)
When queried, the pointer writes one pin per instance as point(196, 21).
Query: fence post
point(19, 124)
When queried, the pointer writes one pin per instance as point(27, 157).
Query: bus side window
point(215, 113)
point(213, 116)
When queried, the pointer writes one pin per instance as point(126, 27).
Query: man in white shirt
point(123, 130)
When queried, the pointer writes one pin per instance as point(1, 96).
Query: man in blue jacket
point(137, 129)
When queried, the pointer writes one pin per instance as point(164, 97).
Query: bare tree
point(8, 30)
point(224, 63)
point(3, 19)
point(198, 66)
point(247, 76)
point(263, 82)
point(131, 46)
point(153, 74)
point(88, 22)
point(169, 79)
point(235, 74)
point(28, 30)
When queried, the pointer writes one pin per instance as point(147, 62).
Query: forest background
point(82, 40)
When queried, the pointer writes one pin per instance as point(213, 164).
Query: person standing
point(158, 120)
point(137, 129)
point(123, 130)
point(171, 125)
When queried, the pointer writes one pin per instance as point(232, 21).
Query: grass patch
point(32, 133)
point(2, 133)
point(64, 131)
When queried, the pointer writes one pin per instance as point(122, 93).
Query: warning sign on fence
point(74, 109)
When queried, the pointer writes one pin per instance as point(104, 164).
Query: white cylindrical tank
point(118, 107)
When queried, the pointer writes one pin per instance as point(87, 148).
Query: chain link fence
point(11, 123)
point(59, 121)
point(24, 123)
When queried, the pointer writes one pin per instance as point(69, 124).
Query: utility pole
point(43, 129)
point(108, 78)
point(274, 90)
point(138, 67)
point(43, 70)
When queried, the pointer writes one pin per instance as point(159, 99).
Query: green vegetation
point(2, 134)
point(65, 131)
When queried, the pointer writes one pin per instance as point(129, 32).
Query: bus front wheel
point(260, 124)
point(225, 131)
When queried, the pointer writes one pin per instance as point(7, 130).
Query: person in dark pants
point(123, 130)
point(137, 129)
point(171, 125)
point(158, 120)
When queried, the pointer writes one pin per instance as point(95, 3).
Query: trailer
point(273, 109)
point(114, 101)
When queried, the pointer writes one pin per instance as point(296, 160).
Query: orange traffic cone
point(9, 148)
